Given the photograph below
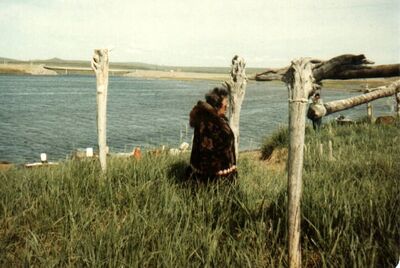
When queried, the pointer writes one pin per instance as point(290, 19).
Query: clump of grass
point(278, 139)
point(145, 213)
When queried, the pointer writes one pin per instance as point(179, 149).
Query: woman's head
point(218, 98)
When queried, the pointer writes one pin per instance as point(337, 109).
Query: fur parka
point(213, 143)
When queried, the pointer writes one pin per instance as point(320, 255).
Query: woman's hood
point(201, 111)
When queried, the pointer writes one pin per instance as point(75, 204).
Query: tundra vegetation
point(142, 213)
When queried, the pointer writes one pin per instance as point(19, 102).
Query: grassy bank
point(144, 214)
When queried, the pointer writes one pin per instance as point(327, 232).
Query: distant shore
point(42, 69)
point(25, 69)
point(177, 75)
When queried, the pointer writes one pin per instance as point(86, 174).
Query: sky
point(266, 33)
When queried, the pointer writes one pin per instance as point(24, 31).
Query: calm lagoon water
point(57, 114)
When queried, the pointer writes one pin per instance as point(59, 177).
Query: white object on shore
point(43, 157)
point(184, 146)
point(121, 154)
point(89, 152)
point(30, 165)
point(174, 151)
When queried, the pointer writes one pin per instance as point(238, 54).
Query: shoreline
point(176, 75)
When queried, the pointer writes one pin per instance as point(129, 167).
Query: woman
point(213, 150)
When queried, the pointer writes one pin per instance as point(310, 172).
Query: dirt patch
point(278, 159)
point(276, 162)
point(5, 166)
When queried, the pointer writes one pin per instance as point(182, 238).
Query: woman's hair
point(214, 97)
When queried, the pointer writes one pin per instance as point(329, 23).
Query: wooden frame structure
point(303, 78)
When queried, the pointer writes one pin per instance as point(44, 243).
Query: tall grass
point(144, 213)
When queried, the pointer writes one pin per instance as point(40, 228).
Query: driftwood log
point(340, 105)
point(100, 65)
point(340, 67)
point(237, 88)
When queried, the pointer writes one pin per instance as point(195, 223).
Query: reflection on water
point(57, 114)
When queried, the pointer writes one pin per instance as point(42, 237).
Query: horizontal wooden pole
point(340, 105)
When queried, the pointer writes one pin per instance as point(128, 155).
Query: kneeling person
point(213, 151)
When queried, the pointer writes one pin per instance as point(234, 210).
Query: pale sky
point(267, 33)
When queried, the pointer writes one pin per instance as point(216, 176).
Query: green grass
point(144, 214)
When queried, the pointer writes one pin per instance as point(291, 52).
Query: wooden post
point(369, 105)
point(321, 150)
point(299, 79)
point(100, 65)
point(237, 88)
point(369, 112)
point(330, 148)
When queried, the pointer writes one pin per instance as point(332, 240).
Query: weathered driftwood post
point(330, 148)
point(369, 105)
point(237, 88)
point(369, 111)
point(100, 63)
point(321, 150)
point(300, 81)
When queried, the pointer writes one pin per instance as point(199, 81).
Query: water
point(57, 114)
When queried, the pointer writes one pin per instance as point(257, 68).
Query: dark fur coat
point(213, 143)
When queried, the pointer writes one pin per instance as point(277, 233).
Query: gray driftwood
point(100, 65)
point(369, 112)
point(340, 67)
point(237, 88)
